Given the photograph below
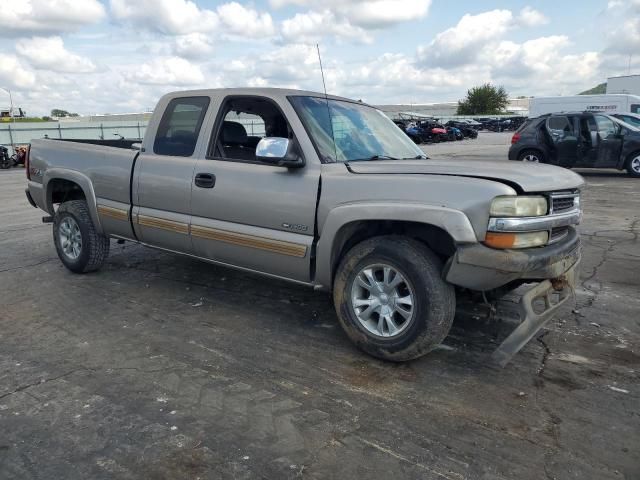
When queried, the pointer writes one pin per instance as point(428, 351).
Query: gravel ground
point(162, 367)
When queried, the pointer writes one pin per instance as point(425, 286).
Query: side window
point(559, 127)
point(606, 127)
point(246, 121)
point(635, 108)
point(180, 126)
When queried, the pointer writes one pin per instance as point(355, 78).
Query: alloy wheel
point(383, 300)
point(70, 238)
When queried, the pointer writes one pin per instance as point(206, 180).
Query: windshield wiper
point(417, 157)
point(382, 157)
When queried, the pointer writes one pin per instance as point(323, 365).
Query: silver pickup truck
point(326, 192)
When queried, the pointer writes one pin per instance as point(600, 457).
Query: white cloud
point(173, 17)
point(50, 54)
point(27, 17)
point(343, 16)
point(459, 45)
point(623, 28)
point(530, 17)
point(183, 17)
point(174, 71)
point(193, 45)
point(311, 27)
point(14, 74)
point(246, 22)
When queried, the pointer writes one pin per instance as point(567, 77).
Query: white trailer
point(579, 103)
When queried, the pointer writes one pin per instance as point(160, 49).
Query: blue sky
point(99, 56)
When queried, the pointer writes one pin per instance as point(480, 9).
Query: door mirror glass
point(272, 147)
point(278, 151)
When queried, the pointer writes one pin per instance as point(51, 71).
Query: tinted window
point(559, 126)
point(635, 108)
point(180, 125)
point(606, 126)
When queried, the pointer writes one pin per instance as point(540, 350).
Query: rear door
point(164, 174)
point(254, 215)
point(609, 142)
point(564, 139)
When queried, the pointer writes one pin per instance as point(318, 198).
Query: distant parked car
point(579, 139)
point(630, 118)
point(466, 129)
point(5, 159)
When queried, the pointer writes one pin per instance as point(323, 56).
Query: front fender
point(452, 221)
point(79, 178)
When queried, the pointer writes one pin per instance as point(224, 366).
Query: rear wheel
point(391, 299)
point(79, 246)
point(633, 164)
point(534, 156)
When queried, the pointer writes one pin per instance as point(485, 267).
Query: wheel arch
point(439, 228)
point(61, 185)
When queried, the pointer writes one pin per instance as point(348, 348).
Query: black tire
point(535, 153)
point(435, 299)
point(632, 164)
point(95, 247)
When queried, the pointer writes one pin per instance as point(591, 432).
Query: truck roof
point(262, 92)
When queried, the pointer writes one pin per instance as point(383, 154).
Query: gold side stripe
point(163, 224)
point(111, 212)
point(251, 241)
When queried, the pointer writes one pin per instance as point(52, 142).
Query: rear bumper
point(478, 267)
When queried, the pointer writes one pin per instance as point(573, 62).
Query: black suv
point(578, 139)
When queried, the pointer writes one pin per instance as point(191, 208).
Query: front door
point(564, 139)
point(609, 142)
point(164, 175)
point(250, 214)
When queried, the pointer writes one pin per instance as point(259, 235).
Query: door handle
point(205, 180)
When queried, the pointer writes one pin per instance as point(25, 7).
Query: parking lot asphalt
point(162, 367)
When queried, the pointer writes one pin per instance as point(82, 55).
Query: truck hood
point(526, 177)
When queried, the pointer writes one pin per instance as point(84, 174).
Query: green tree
point(484, 100)
point(56, 112)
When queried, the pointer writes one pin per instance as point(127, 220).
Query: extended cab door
point(609, 142)
point(250, 214)
point(164, 173)
point(564, 139)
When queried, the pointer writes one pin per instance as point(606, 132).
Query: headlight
point(518, 206)
point(516, 240)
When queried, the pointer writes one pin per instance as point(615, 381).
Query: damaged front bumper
point(536, 307)
point(553, 268)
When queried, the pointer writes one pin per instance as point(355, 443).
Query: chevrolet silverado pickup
point(326, 192)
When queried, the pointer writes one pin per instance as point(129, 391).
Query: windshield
point(360, 132)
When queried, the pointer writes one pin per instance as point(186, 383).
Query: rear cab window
point(180, 125)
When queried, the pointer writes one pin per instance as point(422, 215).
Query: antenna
point(326, 98)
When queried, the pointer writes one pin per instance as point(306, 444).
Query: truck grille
point(564, 202)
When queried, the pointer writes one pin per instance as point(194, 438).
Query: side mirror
point(279, 151)
point(136, 146)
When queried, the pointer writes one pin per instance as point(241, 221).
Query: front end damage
point(552, 268)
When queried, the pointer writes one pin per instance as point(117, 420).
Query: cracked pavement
point(162, 367)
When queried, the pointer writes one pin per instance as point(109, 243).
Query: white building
point(629, 84)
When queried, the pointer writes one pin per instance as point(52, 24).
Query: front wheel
point(79, 246)
point(633, 164)
point(391, 299)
